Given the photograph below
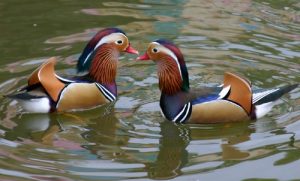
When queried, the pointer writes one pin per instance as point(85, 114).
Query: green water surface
point(129, 140)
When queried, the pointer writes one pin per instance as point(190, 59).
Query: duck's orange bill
point(131, 50)
point(144, 57)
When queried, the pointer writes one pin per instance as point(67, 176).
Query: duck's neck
point(174, 86)
point(103, 67)
point(170, 78)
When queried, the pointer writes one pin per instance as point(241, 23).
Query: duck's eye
point(154, 50)
point(119, 42)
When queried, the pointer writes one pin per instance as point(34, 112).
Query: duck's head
point(172, 71)
point(114, 38)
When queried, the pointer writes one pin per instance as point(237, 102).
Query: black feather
point(24, 96)
point(276, 95)
point(30, 87)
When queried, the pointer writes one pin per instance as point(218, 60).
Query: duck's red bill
point(131, 50)
point(144, 57)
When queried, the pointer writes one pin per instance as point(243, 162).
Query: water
point(130, 140)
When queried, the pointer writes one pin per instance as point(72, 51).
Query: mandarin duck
point(233, 101)
point(48, 92)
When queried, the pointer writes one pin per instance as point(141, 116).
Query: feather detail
point(104, 64)
point(265, 96)
point(170, 81)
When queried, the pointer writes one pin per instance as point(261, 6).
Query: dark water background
point(130, 140)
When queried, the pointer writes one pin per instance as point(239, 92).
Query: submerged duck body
point(48, 92)
point(233, 101)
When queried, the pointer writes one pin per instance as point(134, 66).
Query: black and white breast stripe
point(107, 94)
point(258, 96)
point(183, 114)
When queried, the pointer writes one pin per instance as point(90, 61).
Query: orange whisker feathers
point(170, 81)
point(104, 64)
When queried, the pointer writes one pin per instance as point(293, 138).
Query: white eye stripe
point(107, 39)
point(170, 53)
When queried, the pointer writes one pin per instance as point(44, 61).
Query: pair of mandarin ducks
point(233, 101)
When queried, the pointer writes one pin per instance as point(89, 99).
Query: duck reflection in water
point(101, 133)
point(172, 155)
point(111, 141)
point(61, 130)
point(226, 136)
point(174, 152)
point(106, 136)
point(36, 127)
point(109, 137)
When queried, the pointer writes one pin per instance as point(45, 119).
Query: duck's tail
point(263, 100)
point(265, 96)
